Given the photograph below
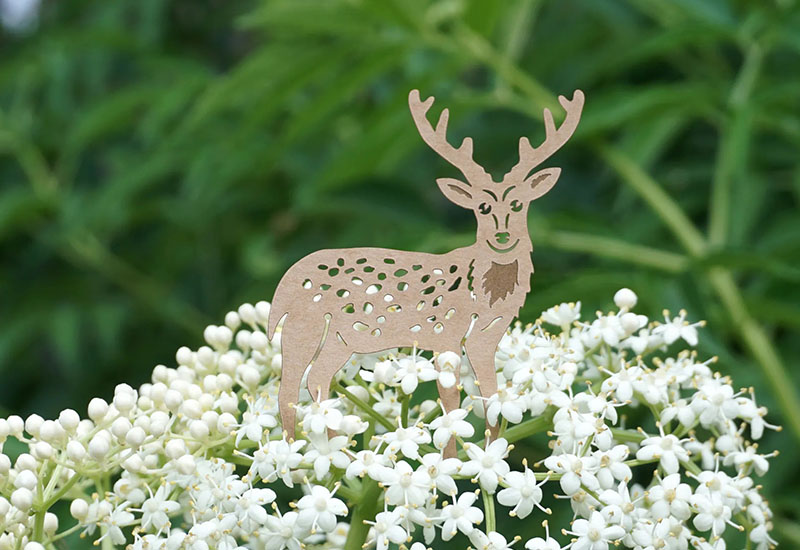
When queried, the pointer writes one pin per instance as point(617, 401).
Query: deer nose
point(502, 237)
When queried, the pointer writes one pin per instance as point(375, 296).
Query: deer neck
point(501, 281)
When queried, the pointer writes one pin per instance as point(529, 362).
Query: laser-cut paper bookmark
point(334, 303)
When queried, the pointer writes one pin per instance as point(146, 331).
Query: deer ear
point(456, 191)
point(541, 182)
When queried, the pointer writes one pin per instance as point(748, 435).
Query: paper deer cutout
point(337, 302)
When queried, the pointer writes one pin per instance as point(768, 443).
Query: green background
point(163, 162)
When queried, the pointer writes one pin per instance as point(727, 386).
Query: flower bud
point(262, 312)
point(124, 398)
point(25, 479)
point(625, 298)
point(191, 408)
point(199, 430)
point(173, 399)
point(22, 498)
point(26, 461)
point(135, 437)
point(5, 429)
point(175, 448)
point(120, 427)
point(42, 450)
point(161, 372)
point(133, 463)
point(259, 341)
point(97, 409)
point(243, 340)
point(69, 420)
point(16, 425)
point(79, 509)
point(185, 464)
point(5, 466)
point(50, 523)
point(184, 356)
point(247, 313)
point(249, 375)
point(5, 506)
point(232, 320)
point(206, 356)
point(35, 545)
point(76, 451)
point(33, 423)
point(99, 447)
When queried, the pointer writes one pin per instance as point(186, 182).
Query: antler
point(530, 157)
point(436, 139)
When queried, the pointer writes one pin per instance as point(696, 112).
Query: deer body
point(334, 303)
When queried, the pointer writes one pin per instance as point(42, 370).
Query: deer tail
point(277, 312)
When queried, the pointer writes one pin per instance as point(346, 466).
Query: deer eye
point(516, 206)
point(484, 208)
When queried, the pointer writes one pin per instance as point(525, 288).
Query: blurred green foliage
point(162, 162)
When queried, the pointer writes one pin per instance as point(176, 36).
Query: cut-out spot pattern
point(428, 290)
point(420, 305)
point(416, 328)
point(381, 276)
point(400, 273)
point(394, 308)
point(431, 319)
point(348, 308)
point(357, 281)
point(416, 267)
point(322, 267)
point(325, 286)
point(438, 271)
point(438, 300)
point(402, 285)
point(388, 298)
point(374, 289)
point(368, 269)
point(453, 268)
point(361, 261)
point(450, 313)
point(438, 328)
point(333, 271)
point(343, 293)
point(381, 319)
point(388, 261)
point(317, 297)
point(340, 262)
point(455, 285)
point(368, 308)
point(360, 327)
point(376, 332)
point(307, 284)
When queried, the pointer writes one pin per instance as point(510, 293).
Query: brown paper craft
point(334, 303)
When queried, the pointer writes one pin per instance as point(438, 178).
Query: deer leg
point(481, 348)
point(295, 359)
point(330, 360)
point(451, 399)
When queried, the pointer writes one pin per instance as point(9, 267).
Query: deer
point(337, 302)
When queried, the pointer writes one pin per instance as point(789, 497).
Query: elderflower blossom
point(197, 459)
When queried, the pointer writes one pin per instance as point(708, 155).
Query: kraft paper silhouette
point(334, 303)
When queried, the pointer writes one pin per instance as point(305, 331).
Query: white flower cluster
point(649, 446)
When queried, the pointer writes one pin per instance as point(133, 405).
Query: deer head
point(500, 208)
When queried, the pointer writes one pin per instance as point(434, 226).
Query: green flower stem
point(404, 405)
point(628, 436)
point(365, 407)
point(365, 510)
point(488, 510)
